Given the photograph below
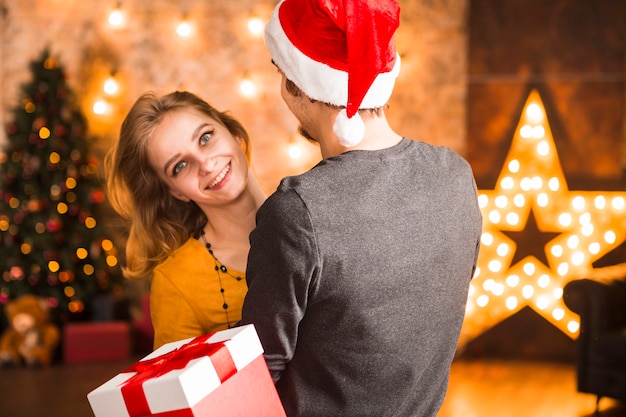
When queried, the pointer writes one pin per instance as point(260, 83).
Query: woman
point(180, 173)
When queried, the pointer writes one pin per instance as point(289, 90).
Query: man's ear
point(179, 196)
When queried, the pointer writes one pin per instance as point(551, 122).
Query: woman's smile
point(219, 180)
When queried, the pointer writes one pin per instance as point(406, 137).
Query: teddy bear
point(31, 339)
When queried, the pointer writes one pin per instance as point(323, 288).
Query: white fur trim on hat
point(318, 80)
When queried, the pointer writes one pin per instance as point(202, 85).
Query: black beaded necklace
point(220, 268)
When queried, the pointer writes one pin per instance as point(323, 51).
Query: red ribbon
point(132, 389)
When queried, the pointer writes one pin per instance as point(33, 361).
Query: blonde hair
point(159, 222)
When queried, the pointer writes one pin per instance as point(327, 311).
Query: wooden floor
point(485, 388)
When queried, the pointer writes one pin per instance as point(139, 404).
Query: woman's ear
point(179, 196)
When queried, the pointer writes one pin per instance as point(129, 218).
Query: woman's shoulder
point(185, 256)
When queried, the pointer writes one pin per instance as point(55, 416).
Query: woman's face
point(198, 158)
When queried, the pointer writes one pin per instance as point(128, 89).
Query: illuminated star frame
point(586, 225)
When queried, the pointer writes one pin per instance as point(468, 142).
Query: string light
point(184, 28)
point(101, 107)
point(587, 225)
point(247, 88)
point(256, 26)
point(295, 151)
point(111, 86)
point(117, 17)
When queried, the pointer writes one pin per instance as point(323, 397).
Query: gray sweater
point(358, 276)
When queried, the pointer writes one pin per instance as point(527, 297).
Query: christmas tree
point(51, 242)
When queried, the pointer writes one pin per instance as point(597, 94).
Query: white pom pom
point(349, 131)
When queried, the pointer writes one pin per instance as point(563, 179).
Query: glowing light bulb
point(507, 183)
point(482, 301)
point(498, 289)
point(573, 241)
point(183, 29)
point(512, 218)
point(295, 151)
point(529, 268)
point(503, 249)
point(247, 88)
point(527, 291)
point(587, 230)
point(538, 132)
point(106, 244)
point(578, 258)
point(512, 280)
point(495, 265)
point(558, 313)
point(618, 203)
point(117, 18)
point(554, 184)
point(578, 203)
point(565, 219)
point(494, 216)
point(542, 302)
point(511, 303)
point(594, 248)
point(526, 131)
point(256, 26)
point(609, 236)
point(573, 326)
point(476, 272)
point(543, 200)
point(486, 239)
point(600, 202)
point(111, 260)
point(534, 113)
point(543, 281)
point(101, 107)
point(543, 148)
point(111, 87)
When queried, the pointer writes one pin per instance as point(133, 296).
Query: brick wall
point(429, 102)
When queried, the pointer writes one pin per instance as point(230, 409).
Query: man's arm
point(282, 264)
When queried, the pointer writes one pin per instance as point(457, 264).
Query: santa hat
point(339, 52)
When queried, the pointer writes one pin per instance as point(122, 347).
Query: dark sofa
point(600, 301)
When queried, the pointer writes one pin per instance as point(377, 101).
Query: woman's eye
point(204, 139)
point(178, 168)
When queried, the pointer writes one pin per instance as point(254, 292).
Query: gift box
point(222, 374)
point(96, 341)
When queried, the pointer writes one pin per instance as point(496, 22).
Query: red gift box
point(96, 341)
point(223, 374)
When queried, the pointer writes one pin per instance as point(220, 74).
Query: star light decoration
point(531, 193)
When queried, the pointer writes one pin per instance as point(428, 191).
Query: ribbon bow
point(132, 389)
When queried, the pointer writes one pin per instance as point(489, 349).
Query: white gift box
point(223, 374)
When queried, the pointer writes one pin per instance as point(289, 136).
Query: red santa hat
point(339, 52)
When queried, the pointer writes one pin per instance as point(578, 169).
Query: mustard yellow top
point(185, 296)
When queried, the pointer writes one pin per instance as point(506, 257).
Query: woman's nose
point(206, 166)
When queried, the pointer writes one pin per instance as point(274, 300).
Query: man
point(359, 268)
